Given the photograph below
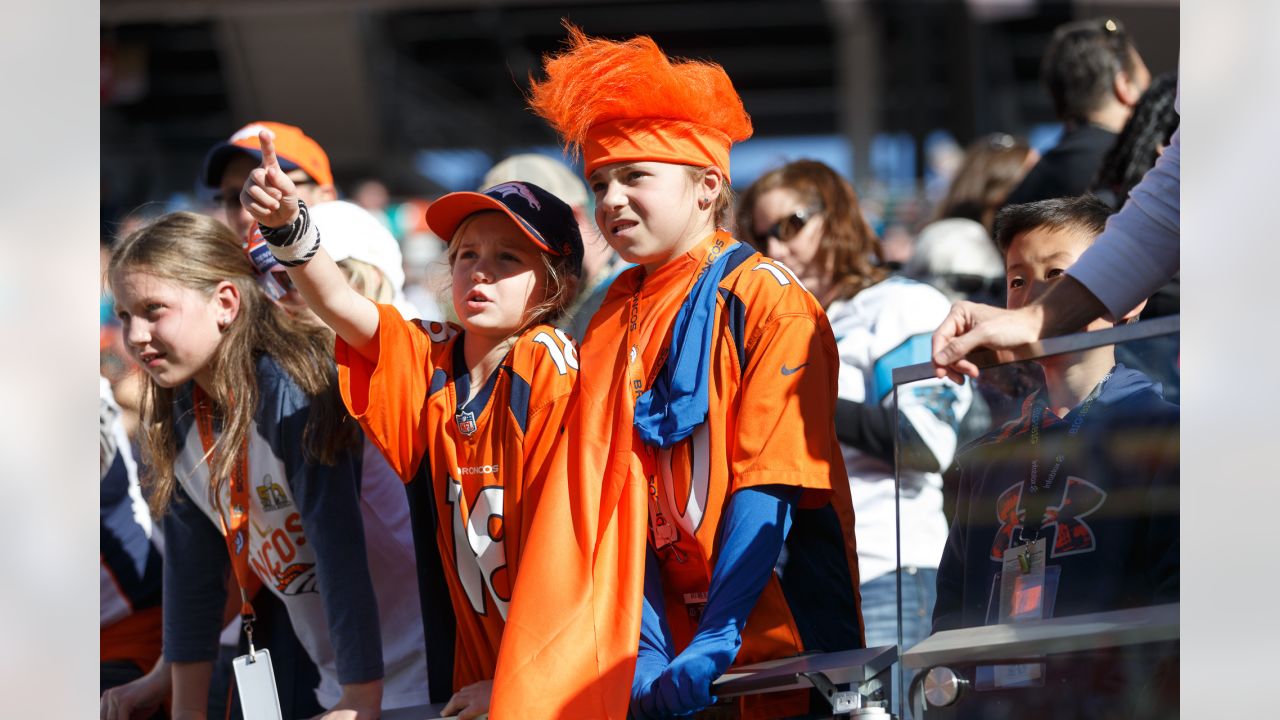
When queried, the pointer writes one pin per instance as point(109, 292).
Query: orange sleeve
point(569, 645)
point(786, 411)
point(545, 456)
point(552, 369)
point(388, 397)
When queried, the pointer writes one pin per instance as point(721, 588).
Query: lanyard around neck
point(638, 376)
point(235, 521)
point(1035, 491)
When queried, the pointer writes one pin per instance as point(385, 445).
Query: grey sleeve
point(1137, 253)
point(328, 498)
point(195, 586)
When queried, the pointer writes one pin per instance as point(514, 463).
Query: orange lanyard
point(637, 374)
point(235, 528)
point(661, 532)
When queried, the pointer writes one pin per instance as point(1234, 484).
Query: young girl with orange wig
point(702, 439)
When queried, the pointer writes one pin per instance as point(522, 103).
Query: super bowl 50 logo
point(271, 495)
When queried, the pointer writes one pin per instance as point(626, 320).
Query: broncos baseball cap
point(294, 149)
point(551, 174)
point(545, 219)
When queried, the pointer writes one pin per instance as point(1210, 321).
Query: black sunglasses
point(786, 228)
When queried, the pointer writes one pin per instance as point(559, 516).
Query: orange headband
point(660, 140)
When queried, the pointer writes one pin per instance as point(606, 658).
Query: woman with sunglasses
point(807, 217)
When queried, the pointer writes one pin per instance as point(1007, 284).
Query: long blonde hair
point(199, 252)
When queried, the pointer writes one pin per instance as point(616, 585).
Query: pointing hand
point(269, 195)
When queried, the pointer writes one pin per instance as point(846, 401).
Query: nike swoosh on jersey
point(791, 371)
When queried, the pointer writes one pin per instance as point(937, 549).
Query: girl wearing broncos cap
point(471, 415)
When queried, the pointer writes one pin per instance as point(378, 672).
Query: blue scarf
point(677, 403)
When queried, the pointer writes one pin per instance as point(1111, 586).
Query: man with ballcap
point(228, 163)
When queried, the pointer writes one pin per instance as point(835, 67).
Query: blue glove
point(751, 535)
point(685, 686)
point(656, 649)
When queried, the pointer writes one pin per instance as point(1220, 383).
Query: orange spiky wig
point(627, 102)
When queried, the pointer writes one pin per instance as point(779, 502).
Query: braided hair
point(1151, 126)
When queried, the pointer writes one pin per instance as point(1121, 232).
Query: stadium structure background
point(425, 94)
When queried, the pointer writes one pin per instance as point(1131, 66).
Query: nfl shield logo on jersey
point(466, 423)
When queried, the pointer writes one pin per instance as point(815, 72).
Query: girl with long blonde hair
point(254, 463)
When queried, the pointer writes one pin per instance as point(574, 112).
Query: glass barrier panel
point(1036, 568)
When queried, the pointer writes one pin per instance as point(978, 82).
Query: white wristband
point(300, 250)
point(294, 244)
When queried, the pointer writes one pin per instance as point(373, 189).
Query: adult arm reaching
point(1066, 306)
point(1131, 259)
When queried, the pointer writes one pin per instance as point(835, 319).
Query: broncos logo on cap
point(516, 188)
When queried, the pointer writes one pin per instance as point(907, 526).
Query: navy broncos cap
point(546, 219)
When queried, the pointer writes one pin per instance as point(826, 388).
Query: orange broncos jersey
point(489, 459)
point(770, 422)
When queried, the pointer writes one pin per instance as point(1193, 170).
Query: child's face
point(171, 330)
point(646, 210)
point(497, 275)
point(1038, 258)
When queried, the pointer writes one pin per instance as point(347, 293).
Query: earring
point(223, 322)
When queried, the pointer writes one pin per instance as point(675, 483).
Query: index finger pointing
point(267, 139)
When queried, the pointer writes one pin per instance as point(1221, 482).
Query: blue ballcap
point(544, 218)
